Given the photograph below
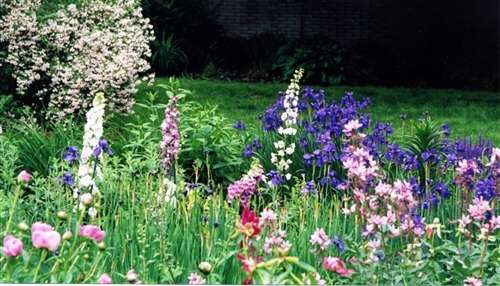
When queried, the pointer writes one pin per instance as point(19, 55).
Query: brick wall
point(345, 20)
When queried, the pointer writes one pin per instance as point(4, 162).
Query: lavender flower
point(67, 178)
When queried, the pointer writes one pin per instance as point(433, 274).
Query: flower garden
point(98, 188)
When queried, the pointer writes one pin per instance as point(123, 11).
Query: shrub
point(323, 59)
point(61, 62)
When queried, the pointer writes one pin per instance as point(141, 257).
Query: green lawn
point(469, 113)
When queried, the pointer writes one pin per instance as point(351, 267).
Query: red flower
point(249, 222)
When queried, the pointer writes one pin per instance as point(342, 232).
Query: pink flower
point(472, 281)
point(320, 239)
point(351, 127)
point(170, 144)
point(86, 198)
point(478, 208)
point(24, 177)
point(93, 232)
point(104, 279)
point(267, 216)
point(335, 264)
point(43, 236)
point(195, 279)
point(12, 246)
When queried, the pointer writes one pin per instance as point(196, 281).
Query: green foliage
point(211, 150)
point(168, 56)
point(324, 60)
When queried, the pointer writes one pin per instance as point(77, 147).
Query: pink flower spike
point(24, 177)
point(12, 246)
point(104, 279)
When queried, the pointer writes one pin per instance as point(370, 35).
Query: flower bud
point(62, 215)
point(67, 235)
point(86, 199)
point(23, 226)
point(205, 267)
point(24, 177)
point(101, 245)
point(86, 256)
point(131, 276)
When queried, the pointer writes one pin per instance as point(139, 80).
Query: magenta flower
point(335, 264)
point(12, 246)
point(244, 188)
point(44, 236)
point(104, 279)
point(24, 177)
point(170, 144)
point(93, 232)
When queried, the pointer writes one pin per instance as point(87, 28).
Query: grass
point(469, 113)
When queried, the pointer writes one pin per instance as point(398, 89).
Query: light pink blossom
point(12, 246)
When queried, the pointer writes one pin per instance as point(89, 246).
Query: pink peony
point(24, 177)
point(12, 246)
point(44, 236)
point(104, 279)
point(93, 232)
point(336, 265)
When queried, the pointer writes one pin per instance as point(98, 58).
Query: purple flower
point(339, 244)
point(309, 188)
point(71, 155)
point(275, 178)
point(486, 189)
point(239, 125)
point(446, 129)
point(442, 190)
point(67, 178)
point(251, 148)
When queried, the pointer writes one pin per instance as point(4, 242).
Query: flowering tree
point(64, 61)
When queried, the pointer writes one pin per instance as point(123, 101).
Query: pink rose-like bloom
point(472, 281)
point(86, 198)
point(195, 279)
point(24, 177)
point(336, 265)
point(12, 246)
point(320, 238)
point(104, 279)
point(44, 236)
point(93, 232)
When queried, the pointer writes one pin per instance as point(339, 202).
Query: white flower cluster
point(92, 134)
point(101, 46)
point(289, 126)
